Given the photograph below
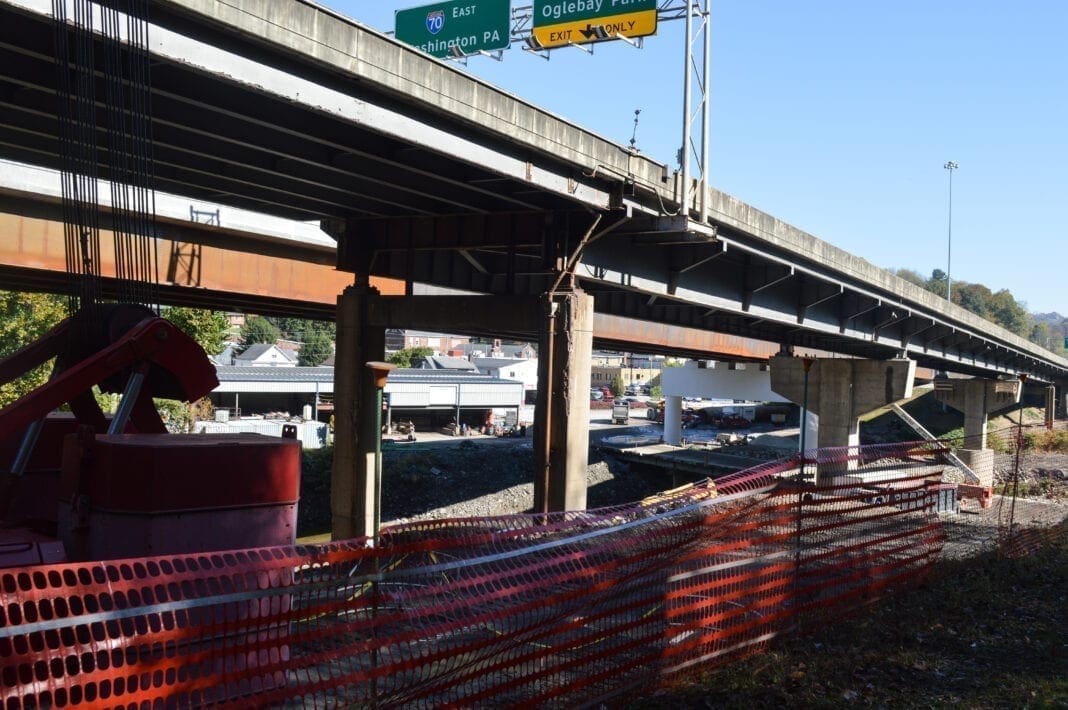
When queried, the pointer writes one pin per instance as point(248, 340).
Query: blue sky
point(838, 116)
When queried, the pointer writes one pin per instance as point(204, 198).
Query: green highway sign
point(456, 28)
point(561, 22)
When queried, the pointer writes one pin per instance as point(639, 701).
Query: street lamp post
point(950, 166)
point(379, 371)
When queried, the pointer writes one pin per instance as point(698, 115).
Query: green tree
point(25, 317)
point(1041, 335)
point(316, 348)
point(289, 328)
point(301, 330)
point(259, 330)
point(913, 277)
point(618, 388)
point(407, 356)
point(208, 328)
point(937, 283)
point(1009, 314)
point(975, 298)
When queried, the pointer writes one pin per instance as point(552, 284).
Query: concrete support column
point(976, 399)
point(1051, 406)
point(673, 419)
point(981, 462)
point(561, 447)
point(352, 497)
point(840, 390)
point(837, 404)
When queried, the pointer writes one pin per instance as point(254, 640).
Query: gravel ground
point(452, 478)
point(485, 477)
point(1041, 501)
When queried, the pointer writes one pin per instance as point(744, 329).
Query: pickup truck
point(620, 411)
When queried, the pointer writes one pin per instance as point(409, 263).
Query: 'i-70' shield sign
point(456, 28)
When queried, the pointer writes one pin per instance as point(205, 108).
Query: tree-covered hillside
point(1046, 329)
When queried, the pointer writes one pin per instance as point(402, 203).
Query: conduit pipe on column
point(546, 429)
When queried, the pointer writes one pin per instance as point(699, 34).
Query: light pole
point(950, 166)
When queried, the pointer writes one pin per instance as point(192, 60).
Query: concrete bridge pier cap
point(840, 391)
point(710, 379)
point(976, 399)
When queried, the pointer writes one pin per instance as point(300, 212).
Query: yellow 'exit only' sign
point(557, 23)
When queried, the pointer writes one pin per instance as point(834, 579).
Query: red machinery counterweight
point(122, 487)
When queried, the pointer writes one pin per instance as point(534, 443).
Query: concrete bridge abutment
point(839, 391)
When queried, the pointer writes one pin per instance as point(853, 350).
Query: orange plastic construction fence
point(558, 610)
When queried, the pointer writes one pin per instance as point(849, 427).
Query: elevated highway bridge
point(426, 175)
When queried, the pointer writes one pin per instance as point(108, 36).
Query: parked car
point(596, 395)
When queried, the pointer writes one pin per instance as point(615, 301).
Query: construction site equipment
point(620, 411)
point(110, 486)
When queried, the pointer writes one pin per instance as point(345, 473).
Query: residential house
point(265, 355)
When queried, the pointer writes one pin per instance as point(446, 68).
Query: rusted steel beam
point(35, 247)
point(38, 244)
point(677, 339)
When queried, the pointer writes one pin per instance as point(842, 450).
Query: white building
point(525, 371)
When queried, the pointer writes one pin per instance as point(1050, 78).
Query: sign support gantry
point(456, 30)
point(698, 38)
point(694, 150)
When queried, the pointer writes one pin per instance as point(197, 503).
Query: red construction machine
point(82, 485)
